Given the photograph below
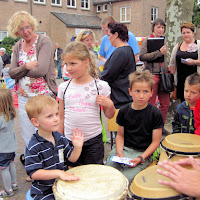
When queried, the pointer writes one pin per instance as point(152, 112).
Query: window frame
point(126, 20)
point(56, 4)
point(154, 15)
point(105, 10)
point(98, 6)
point(1, 33)
point(71, 6)
point(43, 3)
point(22, 1)
point(84, 2)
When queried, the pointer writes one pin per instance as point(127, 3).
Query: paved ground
point(21, 174)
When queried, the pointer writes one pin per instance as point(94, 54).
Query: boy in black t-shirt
point(140, 127)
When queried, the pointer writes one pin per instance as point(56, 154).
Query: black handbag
point(166, 81)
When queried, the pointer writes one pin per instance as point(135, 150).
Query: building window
point(85, 4)
point(105, 7)
point(56, 2)
point(40, 1)
point(71, 3)
point(3, 34)
point(154, 13)
point(125, 14)
point(98, 8)
point(21, 0)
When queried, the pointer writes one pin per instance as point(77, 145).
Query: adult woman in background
point(120, 64)
point(87, 36)
point(188, 49)
point(32, 66)
point(158, 30)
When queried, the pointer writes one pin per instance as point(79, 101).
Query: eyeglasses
point(25, 28)
point(87, 32)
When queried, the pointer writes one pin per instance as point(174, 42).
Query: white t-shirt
point(81, 110)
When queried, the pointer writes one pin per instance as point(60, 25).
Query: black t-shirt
point(138, 125)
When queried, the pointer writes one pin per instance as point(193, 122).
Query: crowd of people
point(67, 134)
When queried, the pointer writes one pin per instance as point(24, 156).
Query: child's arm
point(176, 124)
point(156, 138)
point(77, 141)
point(61, 115)
point(108, 106)
point(44, 174)
point(120, 141)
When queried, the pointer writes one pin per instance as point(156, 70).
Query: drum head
point(97, 182)
point(145, 185)
point(182, 142)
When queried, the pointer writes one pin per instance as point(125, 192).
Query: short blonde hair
point(144, 76)
point(35, 105)
point(189, 25)
point(84, 33)
point(17, 20)
point(193, 79)
point(107, 20)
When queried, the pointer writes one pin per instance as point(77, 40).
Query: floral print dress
point(29, 86)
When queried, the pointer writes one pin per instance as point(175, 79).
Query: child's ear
point(130, 92)
point(151, 93)
point(35, 122)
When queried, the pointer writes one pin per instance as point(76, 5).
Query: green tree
point(196, 14)
point(7, 43)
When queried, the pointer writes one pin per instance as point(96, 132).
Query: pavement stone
point(24, 186)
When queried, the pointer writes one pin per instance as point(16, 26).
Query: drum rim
point(178, 152)
point(164, 198)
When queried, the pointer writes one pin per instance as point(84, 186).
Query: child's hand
point(120, 155)
point(136, 161)
point(77, 138)
point(66, 176)
point(102, 100)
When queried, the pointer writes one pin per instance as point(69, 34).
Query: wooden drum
point(97, 182)
point(179, 145)
point(145, 186)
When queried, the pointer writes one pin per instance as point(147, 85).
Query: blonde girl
point(79, 102)
point(8, 143)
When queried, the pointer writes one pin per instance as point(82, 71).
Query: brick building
point(62, 19)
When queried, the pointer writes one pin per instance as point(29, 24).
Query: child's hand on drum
point(77, 138)
point(66, 176)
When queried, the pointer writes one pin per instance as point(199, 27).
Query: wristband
point(195, 62)
point(141, 158)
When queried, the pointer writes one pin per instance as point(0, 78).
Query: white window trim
point(70, 6)
point(36, 2)
point(55, 4)
point(105, 10)
point(1, 38)
point(22, 1)
point(88, 5)
point(98, 11)
point(154, 8)
point(125, 21)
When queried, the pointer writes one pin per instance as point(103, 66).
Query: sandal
point(14, 186)
point(5, 193)
point(22, 159)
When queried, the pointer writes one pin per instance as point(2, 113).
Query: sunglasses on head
point(87, 32)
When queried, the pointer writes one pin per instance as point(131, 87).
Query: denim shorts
point(5, 159)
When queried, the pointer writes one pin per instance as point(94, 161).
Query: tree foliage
point(196, 14)
point(7, 43)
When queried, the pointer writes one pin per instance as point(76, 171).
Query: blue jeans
point(58, 64)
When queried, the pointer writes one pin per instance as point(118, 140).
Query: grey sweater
point(45, 66)
point(8, 140)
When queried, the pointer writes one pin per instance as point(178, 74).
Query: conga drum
point(145, 186)
point(97, 182)
point(180, 145)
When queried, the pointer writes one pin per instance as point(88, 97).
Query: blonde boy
point(140, 127)
point(184, 117)
point(48, 150)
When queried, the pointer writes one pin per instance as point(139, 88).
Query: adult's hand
point(163, 49)
point(184, 180)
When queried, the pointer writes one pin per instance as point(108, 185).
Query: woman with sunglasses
point(87, 36)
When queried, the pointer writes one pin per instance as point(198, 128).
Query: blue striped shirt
point(42, 154)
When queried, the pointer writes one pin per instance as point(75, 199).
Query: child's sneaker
point(14, 186)
point(5, 193)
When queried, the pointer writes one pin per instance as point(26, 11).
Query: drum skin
point(145, 186)
point(97, 182)
point(184, 143)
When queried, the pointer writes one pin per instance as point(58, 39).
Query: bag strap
point(65, 92)
point(179, 44)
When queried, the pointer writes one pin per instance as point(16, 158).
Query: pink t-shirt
point(81, 110)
